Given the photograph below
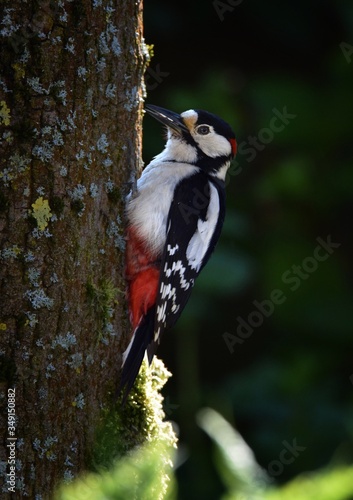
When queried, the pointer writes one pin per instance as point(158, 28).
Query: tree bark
point(70, 130)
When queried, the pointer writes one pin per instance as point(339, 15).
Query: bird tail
point(133, 356)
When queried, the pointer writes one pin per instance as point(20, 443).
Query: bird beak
point(168, 118)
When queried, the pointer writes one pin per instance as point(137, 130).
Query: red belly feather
point(142, 274)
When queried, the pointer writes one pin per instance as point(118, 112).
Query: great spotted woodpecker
point(174, 220)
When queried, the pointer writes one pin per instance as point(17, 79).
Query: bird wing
point(193, 228)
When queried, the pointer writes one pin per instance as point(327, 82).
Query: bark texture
point(70, 93)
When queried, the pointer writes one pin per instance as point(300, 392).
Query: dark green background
point(292, 377)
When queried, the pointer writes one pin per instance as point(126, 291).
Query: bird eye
point(203, 130)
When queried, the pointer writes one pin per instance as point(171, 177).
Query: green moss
point(101, 297)
point(5, 114)
point(4, 202)
point(139, 420)
point(21, 321)
point(31, 220)
point(114, 195)
point(78, 12)
point(150, 49)
point(134, 445)
point(77, 206)
point(7, 370)
point(57, 204)
point(23, 129)
point(19, 70)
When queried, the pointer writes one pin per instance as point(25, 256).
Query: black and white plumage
point(174, 218)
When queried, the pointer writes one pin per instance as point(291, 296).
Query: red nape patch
point(142, 294)
point(233, 143)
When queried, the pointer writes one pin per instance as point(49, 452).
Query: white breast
point(148, 209)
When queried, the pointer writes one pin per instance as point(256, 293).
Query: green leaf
point(236, 461)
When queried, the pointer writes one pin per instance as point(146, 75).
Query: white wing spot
point(178, 267)
point(157, 334)
point(161, 317)
point(171, 250)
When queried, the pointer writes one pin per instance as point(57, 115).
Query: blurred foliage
point(336, 484)
point(144, 474)
point(291, 378)
point(234, 459)
point(247, 481)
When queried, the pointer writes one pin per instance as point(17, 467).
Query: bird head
point(197, 137)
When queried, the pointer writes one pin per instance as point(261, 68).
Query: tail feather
point(135, 352)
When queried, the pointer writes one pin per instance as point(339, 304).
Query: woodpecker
point(174, 220)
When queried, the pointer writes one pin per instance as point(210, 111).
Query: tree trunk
point(70, 93)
